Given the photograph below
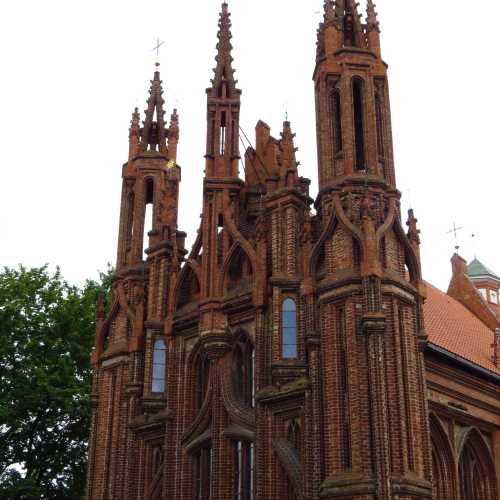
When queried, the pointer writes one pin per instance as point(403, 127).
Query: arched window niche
point(336, 119)
point(289, 329)
point(202, 472)
point(159, 367)
point(202, 377)
point(148, 213)
point(244, 359)
point(476, 469)
point(243, 466)
point(359, 127)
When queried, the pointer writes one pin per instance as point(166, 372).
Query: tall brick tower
point(367, 289)
point(281, 357)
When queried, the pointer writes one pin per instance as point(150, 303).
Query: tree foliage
point(47, 331)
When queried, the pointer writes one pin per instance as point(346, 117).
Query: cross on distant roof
point(157, 48)
point(455, 231)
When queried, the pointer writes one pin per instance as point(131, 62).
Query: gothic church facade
point(285, 355)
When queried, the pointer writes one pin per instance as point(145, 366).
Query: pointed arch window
point(379, 117)
point(243, 466)
point(159, 366)
point(336, 120)
point(359, 132)
point(130, 218)
point(202, 375)
point(294, 435)
point(148, 213)
point(244, 354)
point(476, 470)
point(202, 462)
point(222, 135)
point(289, 329)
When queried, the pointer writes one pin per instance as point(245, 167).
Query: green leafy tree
point(47, 331)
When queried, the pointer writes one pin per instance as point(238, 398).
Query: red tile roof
point(451, 326)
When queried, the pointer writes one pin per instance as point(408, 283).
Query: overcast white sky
point(73, 71)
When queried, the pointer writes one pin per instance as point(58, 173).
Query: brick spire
point(329, 11)
point(173, 135)
point(224, 72)
point(289, 162)
point(154, 132)
point(134, 133)
point(372, 16)
point(223, 103)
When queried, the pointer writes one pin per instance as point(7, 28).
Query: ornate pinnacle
point(173, 135)
point(101, 306)
point(174, 124)
point(371, 17)
point(413, 231)
point(330, 14)
point(223, 71)
point(288, 148)
point(339, 8)
point(153, 133)
point(135, 124)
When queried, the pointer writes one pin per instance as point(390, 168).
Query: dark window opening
point(321, 264)
point(222, 148)
point(240, 273)
point(189, 290)
point(203, 372)
point(359, 134)
point(244, 357)
point(130, 218)
point(336, 121)
point(356, 252)
point(243, 462)
point(202, 472)
point(289, 329)
point(349, 35)
point(148, 214)
point(476, 483)
point(159, 366)
point(380, 124)
point(295, 436)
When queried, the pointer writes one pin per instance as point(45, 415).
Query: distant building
point(290, 353)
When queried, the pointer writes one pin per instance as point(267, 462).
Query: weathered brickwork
point(282, 357)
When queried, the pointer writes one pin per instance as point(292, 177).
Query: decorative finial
point(223, 82)
point(371, 17)
point(329, 11)
point(413, 231)
point(101, 307)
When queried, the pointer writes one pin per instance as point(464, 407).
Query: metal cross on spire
point(157, 49)
point(455, 231)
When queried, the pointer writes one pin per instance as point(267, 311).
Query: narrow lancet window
point(336, 121)
point(223, 133)
point(202, 381)
point(243, 470)
point(244, 355)
point(130, 218)
point(380, 124)
point(289, 329)
point(202, 473)
point(159, 366)
point(148, 214)
point(359, 133)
